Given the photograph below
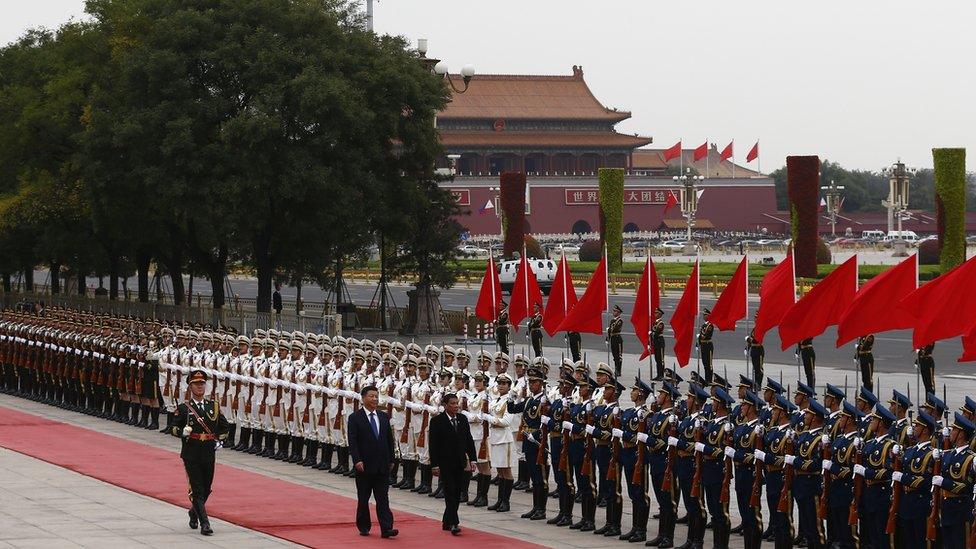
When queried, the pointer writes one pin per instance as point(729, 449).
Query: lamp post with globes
point(440, 68)
point(495, 198)
point(688, 199)
point(832, 194)
point(897, 203)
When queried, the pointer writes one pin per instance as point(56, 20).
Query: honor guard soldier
point(957, 480)
point(865, 403)
point(756, 354)
point(580, 454)
point(934, 406)
point(501, 440)
point(660, 427)
point(633, 460)
point(901, 430)
point(657, 343)
point(808, 356)
point(840, 468)
point(777, 443)
point(559, 411)
point(807, 463)
point(202, 428)
point(615, 340)
point(968, 409)
point(604, 377)
point(502, 328)
point(532, 409)
point(833, 402)
point(875, 470)
point(717, 433)
point(914, 478)
point(606, 417)
point(772, 390)
point(479, 426)
point(745, 385)
point(705, 346)
point(745, 439)
point(535, 330)
point(864, 356)
point(926, 366)
point(689, 433)
point(575, 342)
point(801, 398)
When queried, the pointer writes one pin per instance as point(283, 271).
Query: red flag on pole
point(753, 153)
point(525, 293)
point(727, 151)
point(490, 297)
point(776, 295)
point(944, 307)
point(968, 347)
point(671, 202)
point(587, 316)
point(871, 312)
point(701, 151)
point(648, 298)
point(822, 306)
point(731, 305)
point(684, 318)
point(673, 152)
point(562, 298)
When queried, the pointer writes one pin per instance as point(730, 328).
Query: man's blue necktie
point(372, 422)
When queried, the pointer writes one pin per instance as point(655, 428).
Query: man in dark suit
point(276, 304)
point(451, 454)
point(371, 447)
point(202, 427)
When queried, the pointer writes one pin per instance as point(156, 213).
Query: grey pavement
point(44, 505)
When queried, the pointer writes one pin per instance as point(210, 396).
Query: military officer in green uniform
point(202, 428)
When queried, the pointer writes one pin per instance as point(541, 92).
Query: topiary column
point(803, 188)
point(950, 204)
point(512, 186)
point(612, 218)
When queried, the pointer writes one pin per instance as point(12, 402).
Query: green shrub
point(512, 186)
point(950, 200)
point(591, 250)
point(803, 189)
point(532, 247)
point(612, 207)
point(928, 252)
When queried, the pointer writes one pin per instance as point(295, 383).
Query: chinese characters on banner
point(461, 196)
point(585, 197)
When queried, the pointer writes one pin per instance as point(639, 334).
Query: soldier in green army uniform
point(202, 428)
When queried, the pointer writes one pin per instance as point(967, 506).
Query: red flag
point(753, 153)
point(648, 298)
point(701, 151)
point(968, 347)
point(731, 305)
point(823, 204)
point(673, 152)
point(562, 298)
point(672, 201)
point(587, 316)
point(525, 293)
point(822, 306)
point(871, 311)
point(777, 293)
point(684, 317)
point(943, 308)
point(727, 151)
point(490, 297)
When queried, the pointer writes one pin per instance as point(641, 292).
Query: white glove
point(789, 459)
point(760, 455)
point(824, 439)
point(827, 464)
point(745, 352)
point(858, 441)
point(567, 426)
point(545, 419)
point(431, 409)
point(760, 430)
point(642, 437)
point(187, 430)
point(859, 470)
point(896, 476)
point(590, 429)
point(895, 449)
point(729, 452)
point(617, 433)
point(936, 453)
point(796, 356)
point(945, 431)
point(699, 447)
point(672, 441)
point(937, 480)
point(477, 416)
point(218, 446)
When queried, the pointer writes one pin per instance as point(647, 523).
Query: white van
point(907, 236)
point(873, 234)
point(544, 269)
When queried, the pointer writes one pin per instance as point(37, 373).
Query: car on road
point(544, 269)
point(470, 250)
point(673, 245)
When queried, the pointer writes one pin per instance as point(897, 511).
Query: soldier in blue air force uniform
point(840, 467)
point(744, 439)
point(632, 422)
point(915, 478)
point(717, 432)
point(875, 468)
point(957, 481)
point(806, 461)
point(658, 431)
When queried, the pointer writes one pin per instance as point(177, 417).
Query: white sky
point(861, 83)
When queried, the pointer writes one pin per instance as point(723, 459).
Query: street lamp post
point(495, 194)
point(440, 68)
point(832, 193)
point(689, 204)
point(897, 202)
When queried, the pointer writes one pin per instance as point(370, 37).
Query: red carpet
point(279, 508)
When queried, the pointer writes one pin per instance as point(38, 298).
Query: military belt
point(202, 436)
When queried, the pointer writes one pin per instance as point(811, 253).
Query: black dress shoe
point(205, 530)
point(389, 533)
point(364, 532)
point(682, 520)
point(455, 530)
point(736, 530)
point(193, 520)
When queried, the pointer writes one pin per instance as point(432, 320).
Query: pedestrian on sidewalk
point(371, 447)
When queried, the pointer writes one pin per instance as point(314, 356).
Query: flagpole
point(562, 267)
point(697, 316)
point(799, 373)
point(706, 158)
point(606, 292)
point(494, 298)
point(650, 315)
point(747, 306)
point(733, 177)
point(525, 277)
point(759, 162)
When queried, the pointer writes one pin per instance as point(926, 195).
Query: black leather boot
point(409, 475)
point(144, 419)
point(231, 436)
point(257, 437)
point(153, 420)
point(311, 453)
point(169, 423)
point(522, 481)
point(426, 477)
point(562, 510)
point(325, 462)
point(500, 496)
point(640, 524)
point(535, 505)
point(569, 501)
point(481, 498)
point(283, 443)
point(589, 513)
point(543, 497)
point(343, 465)
point(244, 441)
point(508, 485)
point(269, 444)
point(297, 446)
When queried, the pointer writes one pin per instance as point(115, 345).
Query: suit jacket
point(194, 449)
point(450, 447)
point(376, 453)
point(276, 301)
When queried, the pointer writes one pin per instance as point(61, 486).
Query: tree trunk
point(55, 278)
point(29, 279)
point(6, 283)
point(217, 271)
point(189, 291)
point(113, 277)
point(174, 268)
point(82, 283)
point(338, 284)
point(265, 266)
point(142, 266)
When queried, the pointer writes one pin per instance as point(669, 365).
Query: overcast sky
point(861, 83)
